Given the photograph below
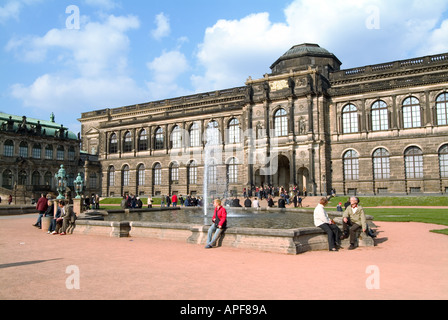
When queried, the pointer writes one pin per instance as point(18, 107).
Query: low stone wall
point(17, 210)
point(268, 240)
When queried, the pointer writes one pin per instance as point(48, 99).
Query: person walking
point(42, 206)
point(219, 224)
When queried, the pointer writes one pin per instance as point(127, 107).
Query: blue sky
point(129, 52)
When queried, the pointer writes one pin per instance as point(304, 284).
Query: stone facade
point(378, 129)
point(32, 152)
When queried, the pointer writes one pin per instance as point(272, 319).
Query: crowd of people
point(63, 217)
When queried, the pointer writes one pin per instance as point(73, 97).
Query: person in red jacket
point(219, 224)
point(174, 200)
point(42, 206)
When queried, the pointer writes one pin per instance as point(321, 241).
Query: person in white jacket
point(322, 221)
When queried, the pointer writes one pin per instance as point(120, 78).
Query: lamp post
point(61, 183)
point(79, 186)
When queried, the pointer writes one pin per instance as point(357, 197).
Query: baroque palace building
point(31, 154)
point(373, 130)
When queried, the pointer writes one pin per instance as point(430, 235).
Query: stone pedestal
point(77, 207)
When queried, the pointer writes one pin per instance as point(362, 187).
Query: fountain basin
point(285, 241)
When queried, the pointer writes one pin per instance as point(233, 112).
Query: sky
point(70, 57)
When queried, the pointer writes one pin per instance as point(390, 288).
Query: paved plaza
point(409, 262)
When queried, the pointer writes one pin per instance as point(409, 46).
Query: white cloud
point(12, 9)
point(232, 50)
point(163, 28)
point(166, 71)
point(91, 67)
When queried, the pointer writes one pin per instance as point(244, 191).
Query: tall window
point(93, 181)
point(23, 150)
point(212, 171)
point(8, 150)
point(143, 140)
point(49, 152)
point(113, 145)
point(48, 178)
point(174, 172)
point(350, 119)
point(351, 165)
point(125, 176)
point(7, 179)
point(195, 135)
point(232, 171)
point(60, 153)
point(234, 131)
point(213, 133)
point(411, 113)
point(176, 138)
point(281, 123)
point(380, 116)
point(414, 163)
point(442, 109)
point(35, 179)
point(127, 143)
point(37, 151)
point(157, 175)
point(141, 175)
point(381, 164)
point(71, 154)
point(193, 173)
point(23, 178)
point(111, 176)
point(443, 159)
point(159, 142)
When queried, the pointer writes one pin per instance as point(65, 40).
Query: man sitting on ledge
point(353, 219)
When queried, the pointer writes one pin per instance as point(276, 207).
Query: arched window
point(113, 144)
point(232, 171)
point(157, 174)
point(234, 131)
point(380, 116)
point(195, 135)
point(414, 163)
point(7, 179)
point(213, 134)
point(49, 152)
point(35, 179)
point(111, 178)
point(193, 173)
point(159, 141)
point(443, 159)
point(442, 109)
point(8, 148)
point(23, 150)
point(143, 140)
point(174, 172)
point(22, 178)
point(281, 123)
point(48, 178)
point(60, 153)
point(37, 151)
point(411, 113)
point(141, 172)
point(127, 143)
point(351, 165)
point(71, 154)
point(125, 176)
point(176, 138)
point(350, 119)
point(381, 164)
